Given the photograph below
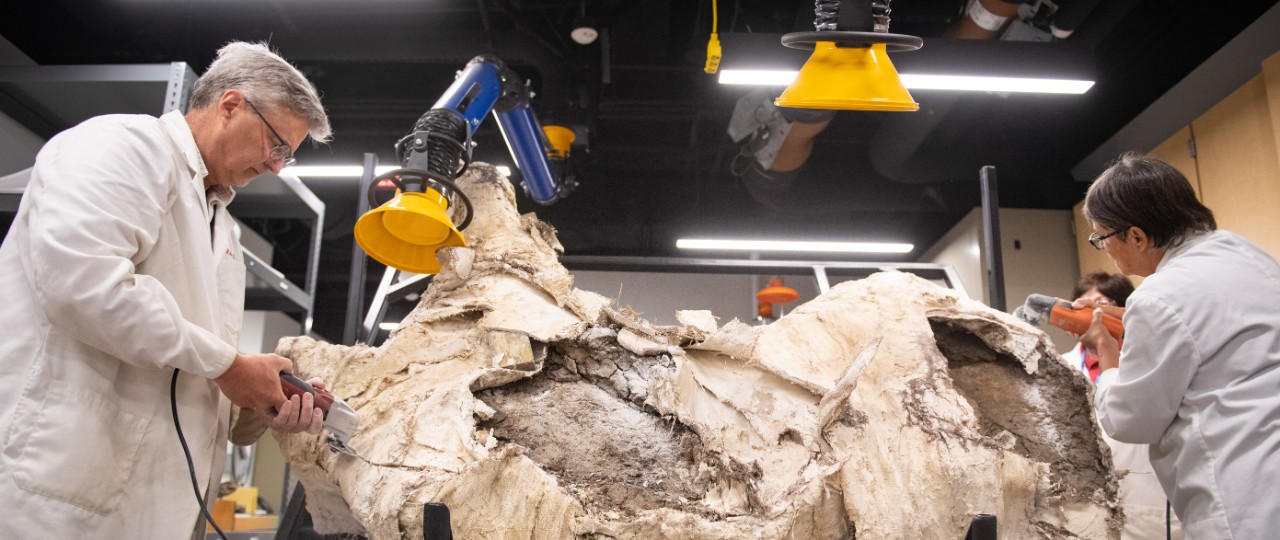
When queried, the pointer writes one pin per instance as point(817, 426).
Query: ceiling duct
point(889, 172)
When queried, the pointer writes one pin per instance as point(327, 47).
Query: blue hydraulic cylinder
point(473, 94)
point(524, 138)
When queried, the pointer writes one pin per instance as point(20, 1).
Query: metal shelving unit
point(50, 99)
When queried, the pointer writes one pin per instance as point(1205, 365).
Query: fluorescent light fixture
point(761, 77)
point(995, 84)
point(783, 245)
point(352, 171)
point(388, 326)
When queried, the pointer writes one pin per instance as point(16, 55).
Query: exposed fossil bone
point(886, 408)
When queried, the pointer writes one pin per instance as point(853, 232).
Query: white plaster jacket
point(1199, 381)
point(110, 278)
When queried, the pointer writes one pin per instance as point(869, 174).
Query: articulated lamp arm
point(405, 232)
point(485, 85)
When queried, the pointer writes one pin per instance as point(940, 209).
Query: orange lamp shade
point(777, 293)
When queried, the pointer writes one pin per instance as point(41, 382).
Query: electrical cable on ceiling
point(191, 467)
point(713, 44)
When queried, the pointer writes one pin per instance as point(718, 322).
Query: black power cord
point(191, 467)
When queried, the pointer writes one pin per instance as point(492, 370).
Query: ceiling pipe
point(983, 19)
point(771, 170)
point(780, 140)
point(1070, 15)
point(888, 176)
point(772, 165)
point(445, 49)
point(899, 140)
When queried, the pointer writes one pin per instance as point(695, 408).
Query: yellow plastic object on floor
point(405, 232)
point(224, 514)
point(246, 498)
point(848, 78)
point(247, 522)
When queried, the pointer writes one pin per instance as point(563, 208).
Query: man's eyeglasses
point(280, 152)
point(1096, 241)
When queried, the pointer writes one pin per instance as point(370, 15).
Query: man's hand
point(1109, 309)
point(299, 413)
point(253, 382)
point(1098, 341)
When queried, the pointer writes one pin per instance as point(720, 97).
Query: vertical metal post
point(378, 308)
point(181, 82)
point(313, 269)
point(982, 527)
point(820, 274)
point(355, 288)
point(435, 522)
point(991, 239)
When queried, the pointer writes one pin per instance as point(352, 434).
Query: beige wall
point(1036, 248)
point(1231, 156)
point(961, 247)
point(1238, 167)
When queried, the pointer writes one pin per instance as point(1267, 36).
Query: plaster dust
point(885, 408)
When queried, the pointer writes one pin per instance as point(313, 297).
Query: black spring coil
point(445, 131)
point(880, 15)
point(828, 14)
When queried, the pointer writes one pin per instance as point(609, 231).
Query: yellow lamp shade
point(405, 232)
point(560, 138)
point(853, 78)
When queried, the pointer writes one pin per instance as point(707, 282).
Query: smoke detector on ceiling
point(584, 31)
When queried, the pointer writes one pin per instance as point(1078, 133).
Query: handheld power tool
point(1059, 313)
point(339, 418)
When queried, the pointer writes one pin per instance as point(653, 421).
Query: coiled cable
point(827, 14)
point(439, 133)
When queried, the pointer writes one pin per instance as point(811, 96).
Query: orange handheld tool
point(1059, 313)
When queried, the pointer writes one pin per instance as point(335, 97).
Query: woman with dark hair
point(1099, 288)
point(1143, 500)
point(1198, 379)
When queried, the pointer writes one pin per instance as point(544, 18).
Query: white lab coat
point(1199, 381)
point(110, 277)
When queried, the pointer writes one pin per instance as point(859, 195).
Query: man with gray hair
point(1198, 379)
point(122, 296)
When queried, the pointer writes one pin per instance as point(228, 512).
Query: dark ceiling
point(656, 163)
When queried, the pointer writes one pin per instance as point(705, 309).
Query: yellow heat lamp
point(559, 139)
point(850, 68)
point(848, 78)
point(405, 232)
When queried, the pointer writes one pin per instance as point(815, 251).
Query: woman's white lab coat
point(1199, 381)
point(110, 278)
